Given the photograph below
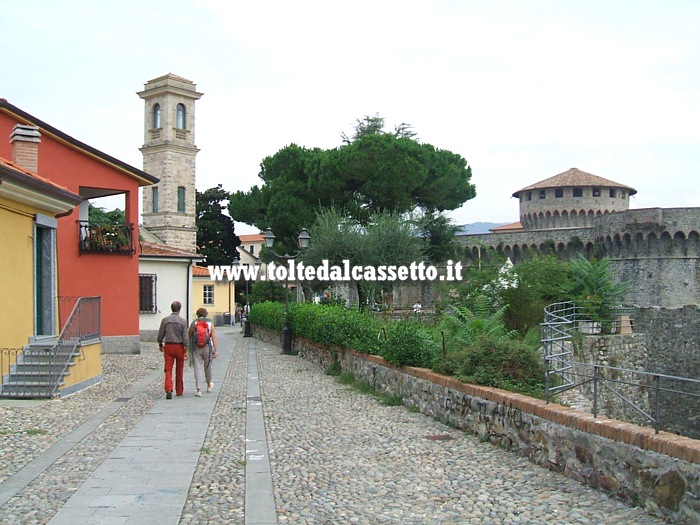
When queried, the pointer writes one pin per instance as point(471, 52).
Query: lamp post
point(303, 241)
point(246, 308)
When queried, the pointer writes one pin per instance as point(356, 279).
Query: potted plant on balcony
point(122, 239)
point(595, 293)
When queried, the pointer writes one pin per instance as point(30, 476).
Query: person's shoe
point(169, 394)
point(210, 386)
point(198, 393)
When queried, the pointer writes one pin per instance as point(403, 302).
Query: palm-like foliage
point(593, 288)
point(462, 326)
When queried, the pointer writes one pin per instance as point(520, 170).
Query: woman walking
point(203, 346)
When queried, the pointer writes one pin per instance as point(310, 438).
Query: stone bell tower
point(169, 153)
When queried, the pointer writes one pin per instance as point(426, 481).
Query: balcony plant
point(595, 292)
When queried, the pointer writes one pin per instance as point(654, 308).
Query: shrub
point(407, 343)
point(268, 314)
point(335, 326)
point(497, 362)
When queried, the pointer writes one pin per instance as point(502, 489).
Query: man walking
point(172, 341)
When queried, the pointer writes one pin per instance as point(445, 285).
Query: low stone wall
point(660, 472)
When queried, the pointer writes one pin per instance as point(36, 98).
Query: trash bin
point(227, 319)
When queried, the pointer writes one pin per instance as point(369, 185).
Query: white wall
point(174, 284)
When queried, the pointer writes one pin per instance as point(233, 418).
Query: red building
point(93, 260)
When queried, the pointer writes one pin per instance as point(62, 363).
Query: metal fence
point(638, 396)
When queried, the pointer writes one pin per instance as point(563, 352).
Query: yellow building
point(29, 207)
point(216, 296)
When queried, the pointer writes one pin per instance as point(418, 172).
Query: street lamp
point(303, 241)
point(246, 308)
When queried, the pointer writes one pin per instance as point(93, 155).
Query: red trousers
point(174, 353)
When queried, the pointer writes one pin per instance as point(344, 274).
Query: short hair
point(202, 312)
point(175, 307)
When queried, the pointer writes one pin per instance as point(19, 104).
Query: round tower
point(570, 200)
point(169, 153)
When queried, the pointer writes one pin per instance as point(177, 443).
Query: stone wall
point(657, 249)
point(618, 351)
point(660, 472)
point(673, 340)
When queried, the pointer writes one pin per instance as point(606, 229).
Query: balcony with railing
point(116, 239)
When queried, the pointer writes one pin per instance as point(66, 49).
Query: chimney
point(25, 141)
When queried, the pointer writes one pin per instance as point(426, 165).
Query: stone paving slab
point(146, 478)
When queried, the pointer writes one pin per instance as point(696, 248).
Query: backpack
point(202, 333)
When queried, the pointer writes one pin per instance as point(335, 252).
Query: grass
point(36, 431)
point(346, 378)
point(364, 387)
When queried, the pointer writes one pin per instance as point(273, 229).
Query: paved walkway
point(278, 441)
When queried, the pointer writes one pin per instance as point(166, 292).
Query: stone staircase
point(39, 371)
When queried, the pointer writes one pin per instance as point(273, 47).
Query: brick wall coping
point(672, 445)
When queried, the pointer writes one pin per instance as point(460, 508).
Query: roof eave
point(144, 178)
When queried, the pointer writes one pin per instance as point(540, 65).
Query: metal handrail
point(562, 373)
point(83, 325)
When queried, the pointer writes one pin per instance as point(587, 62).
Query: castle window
point(578, 192)
point(155, 200)
point(559, 193)
point(529, 195)
point(622, 194)
point(543, 194)
point(613, 193)
point(596, 192)
point(181, 120)
point(181, 199)
point(156, 116)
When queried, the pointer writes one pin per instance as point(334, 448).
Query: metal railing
point(83, 325)
point(106, 238)
point(640, 395)
point(38, 371)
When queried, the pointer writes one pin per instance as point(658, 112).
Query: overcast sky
point(522, 89)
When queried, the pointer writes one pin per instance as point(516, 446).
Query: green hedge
point(408, 343)
point(268, 314)
point(401, 343)
point(498, 362)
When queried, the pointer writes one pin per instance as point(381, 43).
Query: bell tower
point(169, 153)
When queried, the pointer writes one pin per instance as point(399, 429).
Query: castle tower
point(169, 153)
point(570, 200)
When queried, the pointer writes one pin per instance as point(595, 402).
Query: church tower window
point(156, 116)
point(181, 120)
point(181, 199)
point(155, 200)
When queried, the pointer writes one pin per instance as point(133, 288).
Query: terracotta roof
point(29, 178)
point(162, 250)
point(253, 237)
point(144, 178)
point(574, 177)
point(200, 271)
point(507, 228)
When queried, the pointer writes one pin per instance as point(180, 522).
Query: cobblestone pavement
point(337, 456)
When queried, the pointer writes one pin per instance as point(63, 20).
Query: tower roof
point(574, 177)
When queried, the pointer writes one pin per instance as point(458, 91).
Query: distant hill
point(477, 227)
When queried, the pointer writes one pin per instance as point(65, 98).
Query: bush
point(268, 314)
point(500, 363)
point(407, 343)
point(335, 326)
